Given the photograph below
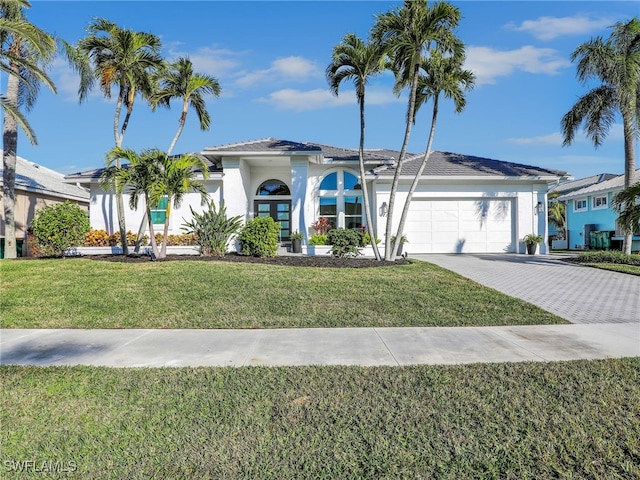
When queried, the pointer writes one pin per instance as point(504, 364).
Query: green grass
point(521, 420)
point(616, 267)
point(82, 293)
point(610, 260)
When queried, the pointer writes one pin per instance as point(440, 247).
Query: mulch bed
point(286, 260)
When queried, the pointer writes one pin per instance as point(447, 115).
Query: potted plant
point(403, 240)
point(531, 241)
point(296, 242)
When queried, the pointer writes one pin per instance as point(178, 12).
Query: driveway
point(577, 293)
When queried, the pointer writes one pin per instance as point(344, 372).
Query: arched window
point(340, 198)
point(273, 187)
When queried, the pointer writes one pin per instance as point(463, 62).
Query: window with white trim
point(159, 213)
point(580, 205)
point(600, 202)
point(340, 199)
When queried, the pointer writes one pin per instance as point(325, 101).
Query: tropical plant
point(344, 242)
point(556, 213)
point(627, 204)
point(178, 176)
point(138, 176)
point(318, 239)
point(532, 239)
point(118, 57)
point(322, 225)
point(25, 53)
point(296, 236)
point(409, 34)
point(213, 229)
point(259, 237)
point(59, 227)
point(353, 59)
point(615, 63)
point(179, 81)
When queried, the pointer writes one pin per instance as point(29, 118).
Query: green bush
point(366, 240)
point(344, 242)
point(213, 229)
point(259, 237)
point(59, 227)
point(318, 239)
point(608, 256)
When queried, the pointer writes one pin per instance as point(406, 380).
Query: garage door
point(460, 226)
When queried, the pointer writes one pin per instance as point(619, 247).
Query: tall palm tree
point(615, 62)
point(118, 57)
point(353, 59)
point(178, 176)
point(25, 52)
point(137, 177)
point(444, 77)
point(181, 82)
point(408, 34)
point(627, 203)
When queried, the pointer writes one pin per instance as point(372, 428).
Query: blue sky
point(270, 57)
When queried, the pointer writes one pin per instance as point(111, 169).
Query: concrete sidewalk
point(344, 346)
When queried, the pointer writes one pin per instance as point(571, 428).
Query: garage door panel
point(460, 226)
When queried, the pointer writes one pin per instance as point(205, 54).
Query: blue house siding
point(604, 219)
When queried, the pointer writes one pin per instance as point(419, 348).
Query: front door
point(279, 210)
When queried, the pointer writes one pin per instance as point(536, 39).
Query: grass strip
point(576, 419)
point(81, 293)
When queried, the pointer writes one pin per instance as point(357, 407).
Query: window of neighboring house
point(341, 200)
point(580, 205)
point(600, 202)
point(159, 214)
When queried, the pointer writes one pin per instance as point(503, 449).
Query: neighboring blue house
point(589, 209)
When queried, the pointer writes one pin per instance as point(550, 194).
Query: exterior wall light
point(384, 209)
point(539, 208)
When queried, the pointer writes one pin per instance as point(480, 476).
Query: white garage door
point(483, 225)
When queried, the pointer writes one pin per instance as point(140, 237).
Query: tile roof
point(263, 145)
point(566, 187)
point(36, 178)
point(615, 183)
point(458, 165)
point(351, 154)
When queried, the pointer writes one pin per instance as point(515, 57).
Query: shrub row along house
point(464, 204)
point(590, 209)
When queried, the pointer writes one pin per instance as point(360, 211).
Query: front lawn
point(521, 420)
point(83, 293)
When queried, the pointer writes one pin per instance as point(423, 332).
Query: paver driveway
point(577, 293)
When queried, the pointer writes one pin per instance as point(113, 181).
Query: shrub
point(318, 239)
point(114, 239)
point(344, 242)
point(608, 256)
point(212, 229)
point(366, 240)
point(259, 237)
point(322, 226)
point(59, 227)
point(96, 238)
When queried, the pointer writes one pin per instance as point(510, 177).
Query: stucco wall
point(604, 220)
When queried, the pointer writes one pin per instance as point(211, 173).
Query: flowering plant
point(322, 226)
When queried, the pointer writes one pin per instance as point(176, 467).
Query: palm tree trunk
point(629, 167)
point(154, 244)
point(363, 186)
point(122, 226)
point(183, 119)
point(163, 251)
point(388, 248)
point(414, 184)
point(9, 149)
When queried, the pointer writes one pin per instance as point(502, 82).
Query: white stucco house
point(463, 204)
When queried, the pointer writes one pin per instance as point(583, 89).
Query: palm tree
point(178, 176)
point(627, 203)
point(444, 76)
point(352, 59)
point(556, 213)
point(181, 82)
point(25, 51)
point(408, 34)
point(118, 57)
point(137, 177)
point(615, 62)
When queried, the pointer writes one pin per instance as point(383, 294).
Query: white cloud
point(217, 62)
point(551, 139)
point(548, 28)
point(282, 69)
point(299, 100)
point(488, 64)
